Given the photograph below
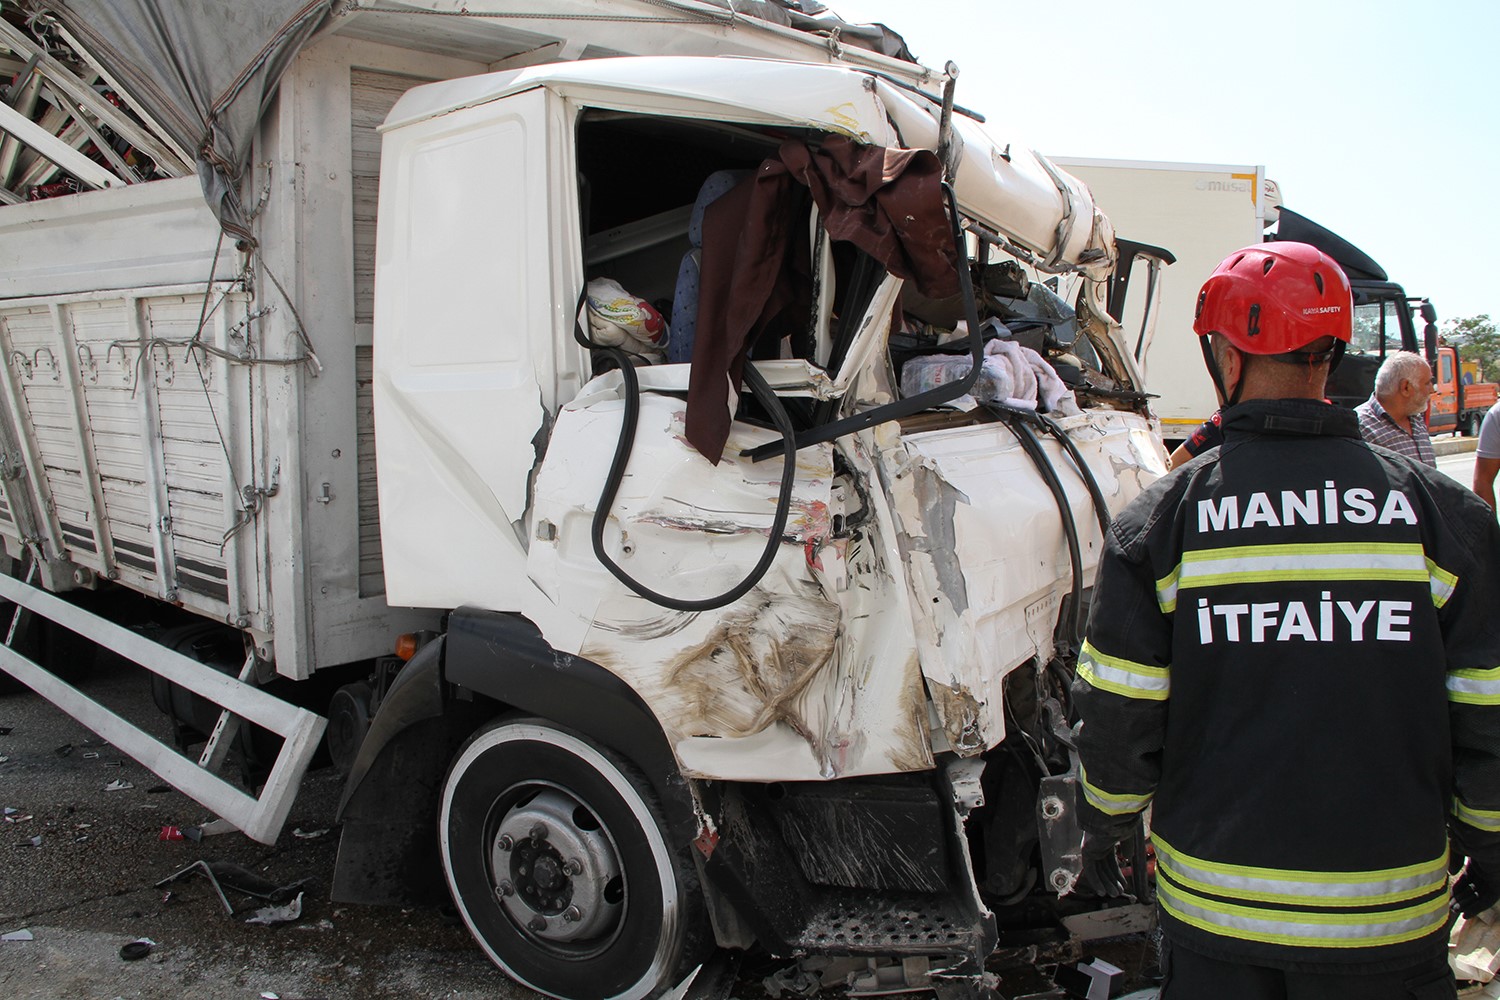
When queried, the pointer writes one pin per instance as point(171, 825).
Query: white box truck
point(812, 697)
point(1200, 213)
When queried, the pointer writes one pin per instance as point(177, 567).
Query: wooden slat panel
point(371, 565)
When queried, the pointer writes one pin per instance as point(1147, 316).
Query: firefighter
point(1293, 657)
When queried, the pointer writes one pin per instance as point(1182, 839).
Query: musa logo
point(1222, 186)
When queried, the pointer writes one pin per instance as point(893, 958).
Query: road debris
point(24, 934)
point(136, 950)
point(224, 875)
point(270, 916)
point(1474, 947)
point(64, 750)
point(302, 834)
point(31, 842)
point(1092, 979)
point(118, 785)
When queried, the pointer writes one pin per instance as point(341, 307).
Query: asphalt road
point(88, 886)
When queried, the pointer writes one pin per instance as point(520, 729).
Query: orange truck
point(1456, 406)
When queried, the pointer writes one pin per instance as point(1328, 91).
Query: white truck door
point(463, 326)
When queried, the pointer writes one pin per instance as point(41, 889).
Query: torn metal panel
point(986, 552)
point(809, 676)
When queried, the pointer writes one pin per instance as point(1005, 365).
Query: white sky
point(1380, 119)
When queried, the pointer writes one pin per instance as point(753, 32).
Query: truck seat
point(685, 298)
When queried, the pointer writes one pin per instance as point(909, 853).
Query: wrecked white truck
point(438, 367)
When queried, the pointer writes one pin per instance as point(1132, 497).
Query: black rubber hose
point(1101, 510)
point(626, 443)
point(1032, 445)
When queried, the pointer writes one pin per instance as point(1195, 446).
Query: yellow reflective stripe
point(1387, 561)
point(1480, 819)
point(1123, 677)
point(1273, 885)
point(1166, 590)
point(1443, 583)
point(1302, 928)
point(1112, 803)
point(1474, 686)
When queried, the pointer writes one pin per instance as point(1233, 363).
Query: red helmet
point(1274, 298)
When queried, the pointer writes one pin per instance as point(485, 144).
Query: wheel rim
point(555, 869)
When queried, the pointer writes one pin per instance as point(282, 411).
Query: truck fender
point(486, 664)
point(388, 845)
point(505, 657)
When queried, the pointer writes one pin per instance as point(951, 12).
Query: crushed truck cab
point(704, 646)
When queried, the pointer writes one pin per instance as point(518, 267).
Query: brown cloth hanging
point(756, 269)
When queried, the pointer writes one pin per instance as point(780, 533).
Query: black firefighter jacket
point(1293, 656)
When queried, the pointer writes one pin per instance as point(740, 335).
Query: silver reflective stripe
point(1166, 591)
point(1270, 885)
point(1481, 819)
point(1123, 677)
point(1443, 583)
point(1319, 561)
point(1111, 803)
point(1474, 687)
point(1304, 929)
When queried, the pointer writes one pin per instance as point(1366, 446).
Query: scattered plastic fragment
point(224, 875)
point(134, 951)
point(31, 842)
point(272, 915)
point(114, 763)
point(1094, 979)
point(118, 785)
point(214, 827)
point(193, 833)
point(3, 759)
point(24, 934)
point(10, 811)
point(5, 730)
point(12, 816)
point(268, 995)
point(302, 834)
point(91, 755)
point(170, 833)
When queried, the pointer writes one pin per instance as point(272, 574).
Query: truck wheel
point(554, 852)
point(1471, 425)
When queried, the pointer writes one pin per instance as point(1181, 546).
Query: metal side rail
point(260, 818)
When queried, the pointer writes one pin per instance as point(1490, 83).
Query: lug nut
point(572, 866)
point(572, 915)
point(505, 889)
point(538, 833)
point(505, 843)
point(537, 924)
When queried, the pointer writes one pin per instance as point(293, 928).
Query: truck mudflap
point(259, 817)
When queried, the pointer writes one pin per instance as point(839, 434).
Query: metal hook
point(167, 370)
point(85, 355)
point(25, 362)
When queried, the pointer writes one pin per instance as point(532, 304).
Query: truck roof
point(1011, 188)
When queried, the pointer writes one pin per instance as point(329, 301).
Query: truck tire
point(1470, 425)
point(553, 849)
